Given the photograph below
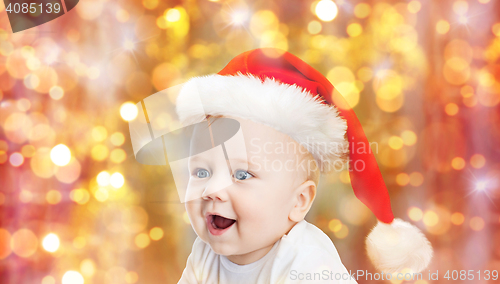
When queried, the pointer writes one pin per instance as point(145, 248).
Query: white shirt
point(304, 255)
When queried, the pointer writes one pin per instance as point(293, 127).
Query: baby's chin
point(223, 248)
point(234, 249)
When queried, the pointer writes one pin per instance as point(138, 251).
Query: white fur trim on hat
point(287, 108)
point(396, 246)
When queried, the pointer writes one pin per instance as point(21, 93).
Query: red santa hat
point(276, 88)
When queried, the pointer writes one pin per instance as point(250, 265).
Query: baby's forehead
point(263, 139)
point(261, 148)
point(257, 139)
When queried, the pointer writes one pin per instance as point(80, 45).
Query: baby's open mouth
point(220, 223)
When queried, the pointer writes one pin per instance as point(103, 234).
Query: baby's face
point(245, 219)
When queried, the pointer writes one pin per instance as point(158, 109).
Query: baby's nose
point(216, 188)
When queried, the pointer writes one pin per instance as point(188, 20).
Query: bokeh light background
point(423, 77)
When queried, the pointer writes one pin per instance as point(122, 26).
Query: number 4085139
point(471, 275)
point(33, 8)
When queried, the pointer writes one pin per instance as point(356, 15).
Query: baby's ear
point(304, 196)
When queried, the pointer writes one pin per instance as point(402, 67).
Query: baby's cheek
point(193, 210)
point(190, 207)
point(249, 204)
point(256, 217)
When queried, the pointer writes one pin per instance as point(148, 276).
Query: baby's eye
point(201, 173)
point(242, 175)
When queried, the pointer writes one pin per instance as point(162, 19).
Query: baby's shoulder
point(313, 248)
point(310, 254)
point(315, 240)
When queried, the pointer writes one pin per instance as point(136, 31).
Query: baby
point(251, 229)
point(259, 133)
point(254, 231)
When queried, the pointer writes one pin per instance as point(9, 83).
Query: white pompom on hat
point(276, 88)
